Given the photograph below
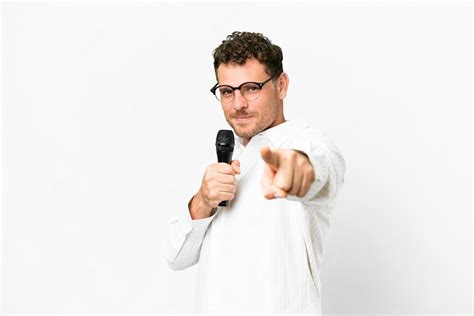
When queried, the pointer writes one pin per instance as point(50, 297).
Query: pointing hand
point(287, 172)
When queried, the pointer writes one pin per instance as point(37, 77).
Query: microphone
point(224, 149)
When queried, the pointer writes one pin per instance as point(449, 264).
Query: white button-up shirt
point(258, 255)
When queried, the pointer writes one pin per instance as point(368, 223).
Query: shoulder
point(305, 133)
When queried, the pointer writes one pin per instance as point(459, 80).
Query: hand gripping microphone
point(224, 149)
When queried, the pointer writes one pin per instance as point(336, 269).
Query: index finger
point(270, 157)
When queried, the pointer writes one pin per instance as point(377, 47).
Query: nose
point(239, 102)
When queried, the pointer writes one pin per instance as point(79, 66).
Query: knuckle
point(300, 163)
point(283, 185)
point(209, 173)
point(208, 183)
point(213, 194)
point(225, 167)
point(210, 168)
point(292, 155)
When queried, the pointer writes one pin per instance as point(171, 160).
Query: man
point(263, 252)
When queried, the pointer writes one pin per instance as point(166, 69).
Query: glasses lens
point(250, 91)
point(224, 93)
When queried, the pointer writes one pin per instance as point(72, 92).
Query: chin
point(245, 132)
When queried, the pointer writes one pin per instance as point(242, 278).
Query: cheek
point(266, 107)
point(227, 110)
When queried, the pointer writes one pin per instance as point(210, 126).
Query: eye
point(250, 88)
point(225, 91)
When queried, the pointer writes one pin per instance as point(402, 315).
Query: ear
point(283, 83)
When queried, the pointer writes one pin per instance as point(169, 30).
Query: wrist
point(198, 209)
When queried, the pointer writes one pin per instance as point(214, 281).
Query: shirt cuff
point(320, 167)
point(197, 227)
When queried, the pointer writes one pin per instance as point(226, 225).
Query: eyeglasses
point(249, 90)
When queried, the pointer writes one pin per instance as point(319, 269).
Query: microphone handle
point(224, 156)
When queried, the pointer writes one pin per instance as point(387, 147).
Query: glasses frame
point(259, 84)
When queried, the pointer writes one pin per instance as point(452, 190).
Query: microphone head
point(225, 140)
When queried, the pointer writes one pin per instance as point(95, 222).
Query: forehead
point(234, 74)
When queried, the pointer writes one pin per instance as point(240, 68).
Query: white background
point(108, 124)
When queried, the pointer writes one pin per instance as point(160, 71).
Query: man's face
point(248, 118)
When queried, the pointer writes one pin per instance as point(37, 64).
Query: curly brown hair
point(240, 46)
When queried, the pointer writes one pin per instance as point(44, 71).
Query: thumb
point(270, 157)
point(236, 165)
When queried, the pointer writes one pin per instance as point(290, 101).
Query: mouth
point(243, 118)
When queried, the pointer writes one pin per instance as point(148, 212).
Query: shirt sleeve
point(328, 163)
point(185, 238)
